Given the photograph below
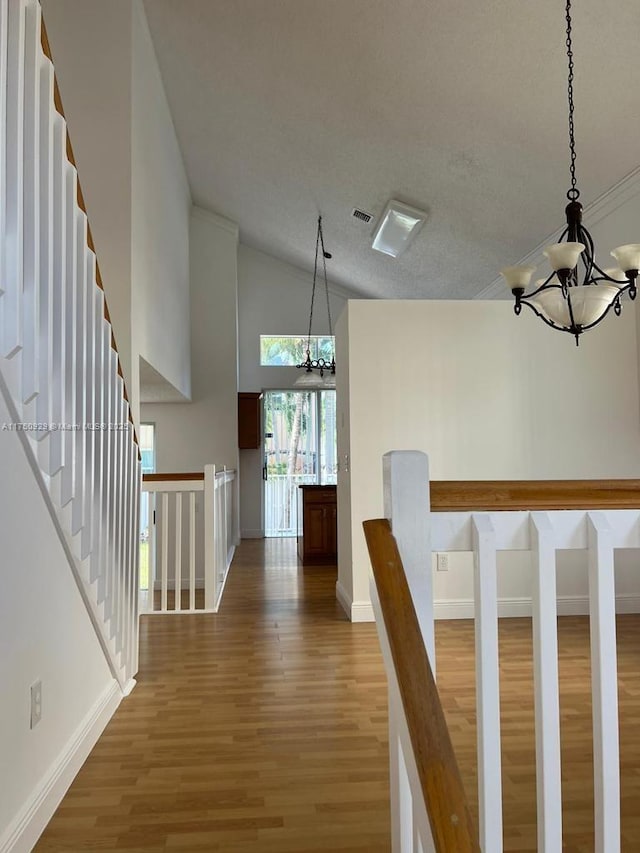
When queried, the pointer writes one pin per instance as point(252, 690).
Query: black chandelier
point(315, 368)
point(571, 299)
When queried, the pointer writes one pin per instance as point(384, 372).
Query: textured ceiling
point(287, 108)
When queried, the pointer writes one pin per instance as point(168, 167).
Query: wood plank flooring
point(263, 728)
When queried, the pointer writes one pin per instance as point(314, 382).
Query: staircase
point(60, 373)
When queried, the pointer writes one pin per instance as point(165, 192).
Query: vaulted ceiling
point(288, 108)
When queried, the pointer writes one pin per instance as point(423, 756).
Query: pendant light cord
point(324, 267)
point(319, 246)
point(313, 289)
point(573, 194)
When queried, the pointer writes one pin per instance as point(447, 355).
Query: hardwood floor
point(263, 728)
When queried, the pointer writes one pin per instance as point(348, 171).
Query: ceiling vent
point(362, 215)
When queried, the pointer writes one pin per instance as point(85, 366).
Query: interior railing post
point(210, 580)
point(487, 683)
point(547, 703)
point(406, 506)
point(604, 685)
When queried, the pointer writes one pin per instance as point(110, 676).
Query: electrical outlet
point(36, 703)
point(442, 562)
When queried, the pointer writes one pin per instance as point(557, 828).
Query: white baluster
point(210, 575)
point(153, 574)
point(100, 439)
point(4, 27)
point(164, 553)
point(45, 308)
point(136, 564)
point(89, 403)
point(79, 446)
point(604, 685)
point(120, 519)
point(192, 550)
point(68, 473)
point(178, 554)
point(487, 684)
point(33, 198)
point(11, 303)
point(547, 704)
point(56, 458)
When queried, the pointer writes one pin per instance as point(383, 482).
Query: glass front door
point(299, 448)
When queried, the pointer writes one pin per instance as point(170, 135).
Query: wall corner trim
point(24, 831)
point(217, 220)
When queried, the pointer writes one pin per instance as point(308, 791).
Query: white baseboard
point(28, 826)
point(357, 611)
point(252, 534)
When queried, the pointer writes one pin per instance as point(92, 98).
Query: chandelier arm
point(544, 286)
point(588, 257)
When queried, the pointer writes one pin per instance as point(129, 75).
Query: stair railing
point(192, 535)
point(485, 518)
point(60, 372)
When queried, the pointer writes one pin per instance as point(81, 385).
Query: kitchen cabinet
point(249, 420)
point(317, 524)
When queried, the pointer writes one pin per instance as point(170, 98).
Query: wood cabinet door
point(315, 530)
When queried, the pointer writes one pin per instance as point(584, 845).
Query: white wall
point(161, 206)
point(190, 435)
point(273, 299)
point(487, 396)
point(45, 634)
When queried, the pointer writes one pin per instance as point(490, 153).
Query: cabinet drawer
point(323, 496)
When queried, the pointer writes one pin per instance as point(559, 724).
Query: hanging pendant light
point(318, 372)
point(577, 294)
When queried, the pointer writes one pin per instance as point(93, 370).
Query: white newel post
point(547, 703)
point(604, 685)
point(487, 683)
point(210, 580)
point(407, 507)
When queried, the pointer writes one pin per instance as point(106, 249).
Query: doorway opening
point(299, 449)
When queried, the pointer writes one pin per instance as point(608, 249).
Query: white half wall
point(45, 635)
point(191, 435)
point(487, 396)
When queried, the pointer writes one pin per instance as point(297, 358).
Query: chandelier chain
point(313, 289)
point(573, 194)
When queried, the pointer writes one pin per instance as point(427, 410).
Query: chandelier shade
point(318, 372)
point(577, 294)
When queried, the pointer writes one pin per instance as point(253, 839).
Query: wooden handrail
point(46, 48)
point(171, 478)
point(444, 796)
point(187, 475)
point(479, 495)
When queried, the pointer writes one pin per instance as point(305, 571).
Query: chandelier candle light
point(315, 368)
point(571, 299)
